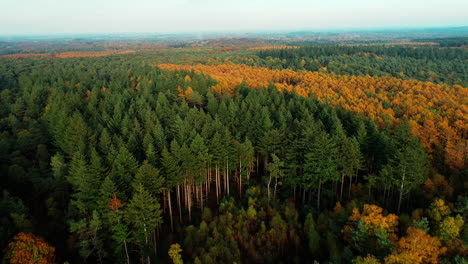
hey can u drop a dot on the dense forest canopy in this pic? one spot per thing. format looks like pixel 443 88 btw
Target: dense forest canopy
pixel 224 151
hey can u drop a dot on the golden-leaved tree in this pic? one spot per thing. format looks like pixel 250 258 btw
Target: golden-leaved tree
pixel 416 247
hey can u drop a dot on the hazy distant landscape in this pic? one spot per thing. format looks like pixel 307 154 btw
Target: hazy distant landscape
pixel 11 44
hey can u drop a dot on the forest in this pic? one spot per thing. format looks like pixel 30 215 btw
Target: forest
pixel 235 151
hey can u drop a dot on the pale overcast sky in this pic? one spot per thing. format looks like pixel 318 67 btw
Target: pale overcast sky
pixel 118 16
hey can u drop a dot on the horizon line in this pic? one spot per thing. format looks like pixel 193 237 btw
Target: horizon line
pixel 239 31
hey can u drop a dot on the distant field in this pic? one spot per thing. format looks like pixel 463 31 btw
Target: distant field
pixel 71 54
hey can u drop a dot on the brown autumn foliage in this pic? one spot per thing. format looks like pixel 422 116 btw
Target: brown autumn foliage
pixel 26 55
pixel 274 47
pixel 438 112
pixel 75 54
pixel 27 248
pixel 115 203
pixel 418 43
pixel 71 54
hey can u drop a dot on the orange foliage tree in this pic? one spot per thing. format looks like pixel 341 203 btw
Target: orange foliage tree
pixel 438 112
pixel 27 248
pixel 416 247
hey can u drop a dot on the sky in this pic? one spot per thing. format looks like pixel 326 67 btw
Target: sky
pixel 156 16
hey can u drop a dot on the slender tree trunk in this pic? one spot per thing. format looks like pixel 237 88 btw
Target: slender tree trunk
pixel 251 165
pixel 216 183
pixel 258 170
pixel 369 194
pixel 207 191
pixel 197 195
pixel 342 185
pixel 268 187
pixel 189 204
pixel 276 184
pixel 227 176
pixel 401 192
pixel 146 239
pixel 178 202
pixel 219 182
pixel 318 194
pixel 169 204
pixel 240 178
pixel 218 174
pixel 126 252
pixel 201 197
pixel 209 179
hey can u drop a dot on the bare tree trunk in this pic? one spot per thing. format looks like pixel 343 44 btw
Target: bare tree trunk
pixel 126 252
pixel 369 194
pixel 251 166
pixel 401 192
pixel 178 202
pixel 318 194
pixel 209 179
pixel 189 202
pixel 240 178
pixel 146 238
pixel 218 175
pixel 227 176
pixel 276 184
pixel 342 185
pixel 170 209
pixel 349 189
pixel 201 198
pixel 224 180
pixel 258 171
pixel 197 194
pixel 268 187
pixel 216 184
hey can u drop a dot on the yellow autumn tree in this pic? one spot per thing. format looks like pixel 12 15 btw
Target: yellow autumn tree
pixel 438 210
pixel 369 259
pixel 174 253
pixel 374 220
pixel 416 247
pixel 450 227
